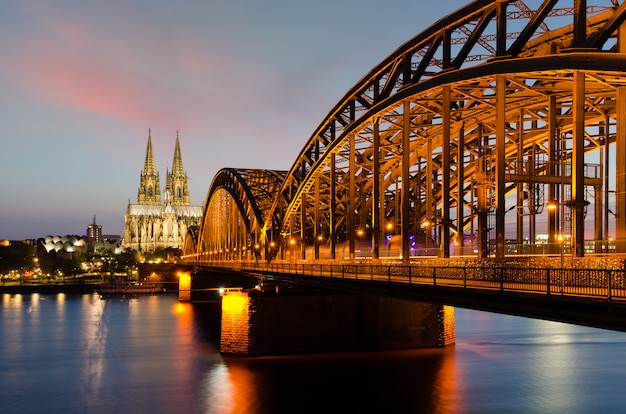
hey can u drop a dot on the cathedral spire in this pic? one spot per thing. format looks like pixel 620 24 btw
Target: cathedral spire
pixel 177 182
pixel 177 164
pixel 149 185
pixel 149 167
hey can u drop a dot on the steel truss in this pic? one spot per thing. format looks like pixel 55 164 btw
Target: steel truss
pixel 459 143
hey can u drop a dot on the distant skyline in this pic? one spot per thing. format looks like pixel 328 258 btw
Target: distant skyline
pixel 244 83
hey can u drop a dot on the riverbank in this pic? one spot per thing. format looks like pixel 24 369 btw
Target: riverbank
pixel 49 288
pixel 79 288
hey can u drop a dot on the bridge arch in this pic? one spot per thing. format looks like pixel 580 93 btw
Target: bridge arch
pixel 468 118
pixel 501 112
pixel 235 210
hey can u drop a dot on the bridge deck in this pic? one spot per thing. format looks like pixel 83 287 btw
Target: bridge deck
pixel 587 296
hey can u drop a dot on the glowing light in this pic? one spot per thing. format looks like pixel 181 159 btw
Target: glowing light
pixel 184 285
pixel 360 232
pixel 180 308
pixel 235 304
pixel 235 322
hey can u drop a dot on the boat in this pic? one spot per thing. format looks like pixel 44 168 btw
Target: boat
pixel 125 286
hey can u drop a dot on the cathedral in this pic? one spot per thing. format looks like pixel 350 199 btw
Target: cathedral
pixel 156 222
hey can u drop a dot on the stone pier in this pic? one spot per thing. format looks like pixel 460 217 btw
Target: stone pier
pixel 255 323
pixel 205 285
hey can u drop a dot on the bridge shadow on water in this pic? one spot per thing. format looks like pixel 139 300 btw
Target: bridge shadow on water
pixel 418 381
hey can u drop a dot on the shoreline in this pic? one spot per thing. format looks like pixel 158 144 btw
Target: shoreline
pixel 70 288
pixel 50 288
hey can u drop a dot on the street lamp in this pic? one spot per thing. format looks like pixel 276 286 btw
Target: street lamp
pixel 427 224
pixel 552 205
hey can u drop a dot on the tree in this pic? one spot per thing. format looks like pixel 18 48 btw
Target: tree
pixel 16 256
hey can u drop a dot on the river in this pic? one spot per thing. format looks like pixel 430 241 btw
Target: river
pixel 152 354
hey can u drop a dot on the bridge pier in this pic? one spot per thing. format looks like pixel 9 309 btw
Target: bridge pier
pixel 205 285
pixel 256 323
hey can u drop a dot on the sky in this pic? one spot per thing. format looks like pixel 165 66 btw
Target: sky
pixel 244 82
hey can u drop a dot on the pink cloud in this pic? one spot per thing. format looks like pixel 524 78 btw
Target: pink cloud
pixel 67 80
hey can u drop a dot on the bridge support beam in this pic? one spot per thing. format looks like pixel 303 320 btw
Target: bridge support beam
pixel 352 190
pixel 270 324
pixel 377 198
pixel 333 208
pixel 406 162
pixel 620 166
pixel 578 152
pixel 446 176
pixel 553 131
pixel 500 160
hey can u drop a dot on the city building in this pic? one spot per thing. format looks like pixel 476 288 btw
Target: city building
pixel 94 231
pixel 156 222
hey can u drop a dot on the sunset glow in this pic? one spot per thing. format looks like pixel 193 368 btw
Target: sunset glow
pixel 245 84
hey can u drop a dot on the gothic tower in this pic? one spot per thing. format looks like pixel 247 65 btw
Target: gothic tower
pixel 151 224
pixel 176 181
pixel 149 184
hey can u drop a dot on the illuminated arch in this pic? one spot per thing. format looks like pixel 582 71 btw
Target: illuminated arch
pixel 499 101
pixel 235 210
pixel 459 113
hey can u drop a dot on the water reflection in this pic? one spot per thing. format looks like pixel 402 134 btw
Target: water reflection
pixel 61 354
pixel 412 381
pixel 94 329
pixel 220 394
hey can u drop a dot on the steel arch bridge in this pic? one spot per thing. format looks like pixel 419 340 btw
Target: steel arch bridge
pixel 500 127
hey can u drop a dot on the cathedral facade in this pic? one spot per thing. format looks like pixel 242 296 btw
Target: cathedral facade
pixel 156 222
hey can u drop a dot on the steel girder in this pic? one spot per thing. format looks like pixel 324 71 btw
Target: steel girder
pixel 499 107
pixel 513 61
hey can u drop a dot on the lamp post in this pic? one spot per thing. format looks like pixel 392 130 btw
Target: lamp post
pixel 388 237
pixel 427 225
pixel 292 244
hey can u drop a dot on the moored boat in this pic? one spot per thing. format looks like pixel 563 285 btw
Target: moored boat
pixel 124 286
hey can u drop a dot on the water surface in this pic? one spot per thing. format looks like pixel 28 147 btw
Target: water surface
pixel 153 354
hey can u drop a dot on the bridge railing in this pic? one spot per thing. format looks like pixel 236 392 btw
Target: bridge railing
pixel 599 284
